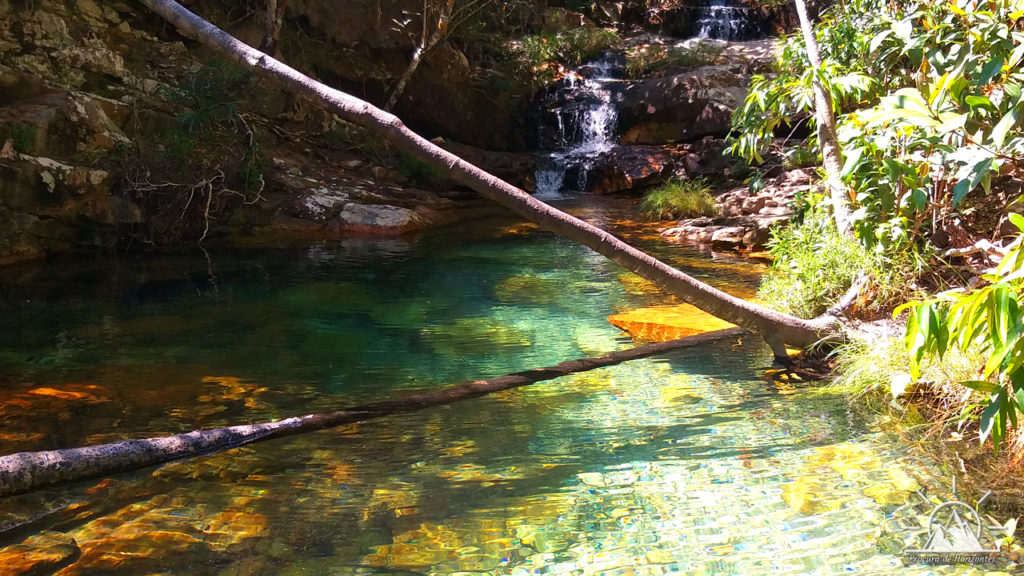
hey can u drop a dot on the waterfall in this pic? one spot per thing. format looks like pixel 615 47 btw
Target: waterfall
pixel 727 20
pixel 577 126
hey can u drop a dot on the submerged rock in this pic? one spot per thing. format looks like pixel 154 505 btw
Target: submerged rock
pixel 39 554
pixel 664 323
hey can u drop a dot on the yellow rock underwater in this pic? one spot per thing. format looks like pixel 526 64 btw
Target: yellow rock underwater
pixel 664 323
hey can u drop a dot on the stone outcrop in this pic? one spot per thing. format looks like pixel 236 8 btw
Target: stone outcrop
pixel 681 108
pixel 100 105
pixel 634 167
pixel 747 219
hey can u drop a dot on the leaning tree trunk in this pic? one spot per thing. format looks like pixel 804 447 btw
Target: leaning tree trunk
pixel 26 471
pixel 403 80
pixel 273 21
pixel 828 138
pixel 776 328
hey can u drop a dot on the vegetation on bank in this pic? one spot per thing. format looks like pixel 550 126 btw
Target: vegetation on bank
pixel 652 59
pixel 544 57
pixel 929 101
pixel 679 199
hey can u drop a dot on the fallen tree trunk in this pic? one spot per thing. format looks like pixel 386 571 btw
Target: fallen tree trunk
pixel 26 471
pixel 776 328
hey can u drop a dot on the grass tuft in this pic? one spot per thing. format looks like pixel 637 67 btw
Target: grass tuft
pixel 679 199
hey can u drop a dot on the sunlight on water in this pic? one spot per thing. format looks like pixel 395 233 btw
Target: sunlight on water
pixel 690 463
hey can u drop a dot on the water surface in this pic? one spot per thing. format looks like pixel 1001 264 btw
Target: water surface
pixel 690 463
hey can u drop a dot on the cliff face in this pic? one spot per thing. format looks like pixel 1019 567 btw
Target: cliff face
pixel 70 76
pixel 114 129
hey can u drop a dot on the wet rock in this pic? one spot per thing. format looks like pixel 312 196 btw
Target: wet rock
pixel 681 108
pixel 37 555
pixel 631 167
pixel 378 219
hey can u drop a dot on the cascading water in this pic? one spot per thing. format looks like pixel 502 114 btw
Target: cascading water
pixel 578 125
pixel 727 20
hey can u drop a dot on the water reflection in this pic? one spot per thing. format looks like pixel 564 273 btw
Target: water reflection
pixel 690 463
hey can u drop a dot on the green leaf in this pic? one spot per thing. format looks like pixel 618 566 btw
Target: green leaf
pixel 1017 220
pixel 981 386
pixel 980 102
pixel 877 40
pixel 989 420
pixel 853 158
pixel 1004 125
pixel 989 71
pixel 951 124
pixel 1013 90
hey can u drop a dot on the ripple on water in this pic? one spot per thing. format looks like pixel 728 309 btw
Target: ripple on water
pixel 686 464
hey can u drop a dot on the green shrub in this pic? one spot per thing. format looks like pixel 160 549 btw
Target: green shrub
pixel 815 265
pixel 873 370
pixel 679 199
pixel 801 158
pixel 990 318
pixel 543 56
pixel 647 60
pixel 22 136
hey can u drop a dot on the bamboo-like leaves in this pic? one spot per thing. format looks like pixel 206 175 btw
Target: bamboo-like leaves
pixel 990 317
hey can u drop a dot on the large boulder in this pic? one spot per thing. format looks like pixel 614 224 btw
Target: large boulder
pixel 633 167
pixel 681 108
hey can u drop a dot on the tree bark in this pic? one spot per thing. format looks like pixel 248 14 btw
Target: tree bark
pixel 403 80
pixel 274 19
pixel 429 38
pixel 26 471
pixel 776 328
pixel 828 138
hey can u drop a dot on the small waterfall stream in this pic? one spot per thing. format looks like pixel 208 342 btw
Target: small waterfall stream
pixel 577 125
pixel 727 20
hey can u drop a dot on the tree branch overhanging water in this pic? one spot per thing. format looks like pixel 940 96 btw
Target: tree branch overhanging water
pixel 776 328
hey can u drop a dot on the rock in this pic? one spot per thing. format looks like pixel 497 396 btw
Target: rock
pixel 43 553
pixel 516 168
pixel 558 19
pixel 664 323
pixel 378 219
pixel 607 13
pixel 318 204
pixel 729 237
pixel 681 108
pixel 631 167
pixel 752 205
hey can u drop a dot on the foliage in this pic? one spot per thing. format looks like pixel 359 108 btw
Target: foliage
pixel 914 157
pixel 679 199
pixel 941 90
pixel 653 58
pixel 874 367
pixel 345 136
pixel 814 265
pixel 22 137
pixel 800 158
pixel 203 163
pixel 546 55
pixel 991 318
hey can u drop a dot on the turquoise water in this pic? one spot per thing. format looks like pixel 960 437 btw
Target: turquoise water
pixel 690 463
